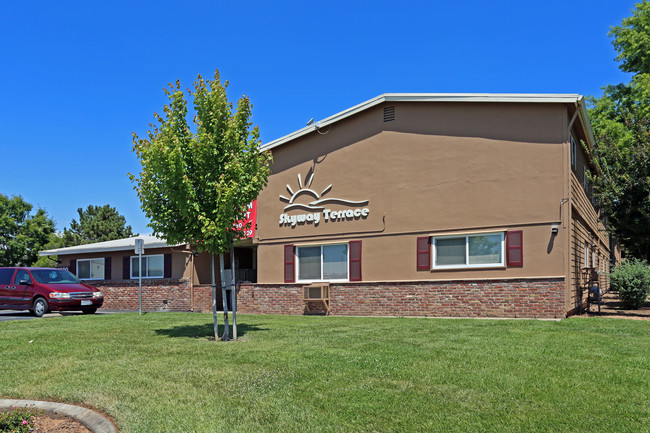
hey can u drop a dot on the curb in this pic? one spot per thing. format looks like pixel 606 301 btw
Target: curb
pixel 89 418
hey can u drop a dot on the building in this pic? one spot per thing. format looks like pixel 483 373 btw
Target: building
pixel 420 205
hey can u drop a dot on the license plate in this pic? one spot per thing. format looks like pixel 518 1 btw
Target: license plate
pixel 86 302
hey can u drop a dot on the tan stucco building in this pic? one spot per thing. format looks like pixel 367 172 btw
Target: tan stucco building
pixel 421 205
pixel 434 205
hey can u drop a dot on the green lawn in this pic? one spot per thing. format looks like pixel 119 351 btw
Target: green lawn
pixel 161 373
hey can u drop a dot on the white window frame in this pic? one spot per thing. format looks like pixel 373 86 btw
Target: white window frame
pixel 89 260
pixel 347 266
pixel 434 252
pixel 144 258
pixel 574 151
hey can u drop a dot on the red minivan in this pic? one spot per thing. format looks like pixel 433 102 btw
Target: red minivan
pixel 41 290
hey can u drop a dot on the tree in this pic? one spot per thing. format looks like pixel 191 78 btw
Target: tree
pixel 194 186
pixel 96 224
pixel 621 124
pixel 55 240
pixel 22 235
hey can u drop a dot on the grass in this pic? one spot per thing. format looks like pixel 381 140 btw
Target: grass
pixel 162 373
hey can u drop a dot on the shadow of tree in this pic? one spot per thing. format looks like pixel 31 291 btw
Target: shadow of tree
pixel 206 330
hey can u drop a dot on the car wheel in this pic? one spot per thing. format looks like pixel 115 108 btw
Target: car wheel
pixel 89 310
pixel 40 307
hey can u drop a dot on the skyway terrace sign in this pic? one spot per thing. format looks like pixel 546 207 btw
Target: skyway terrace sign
pixel 308 199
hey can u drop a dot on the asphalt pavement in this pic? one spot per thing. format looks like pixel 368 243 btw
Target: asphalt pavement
pixel 6 315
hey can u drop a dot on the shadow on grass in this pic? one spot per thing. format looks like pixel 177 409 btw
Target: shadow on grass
pixel 206 330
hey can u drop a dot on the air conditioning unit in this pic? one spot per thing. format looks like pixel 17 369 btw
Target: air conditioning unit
pixel 317 292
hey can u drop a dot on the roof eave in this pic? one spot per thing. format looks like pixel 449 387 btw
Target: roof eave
pixel 427 97
pixel 74 250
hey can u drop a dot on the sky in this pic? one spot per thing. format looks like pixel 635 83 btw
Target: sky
pixel 79 77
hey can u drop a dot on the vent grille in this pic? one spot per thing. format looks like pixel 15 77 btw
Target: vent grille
pixel 389 114
pixel 81 295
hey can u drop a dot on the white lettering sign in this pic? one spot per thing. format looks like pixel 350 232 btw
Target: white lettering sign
pixel 314 203
pixel 328 216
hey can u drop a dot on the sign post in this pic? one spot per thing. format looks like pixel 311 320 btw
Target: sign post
pixel 139 249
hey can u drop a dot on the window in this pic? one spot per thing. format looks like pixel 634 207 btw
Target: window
pixel 323 262
pixel 152 266
pixel 22 275
pixel 574 151
pixel 5 276
pixel 469 251
pixel 90 269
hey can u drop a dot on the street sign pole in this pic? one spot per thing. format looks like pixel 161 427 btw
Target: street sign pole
pixel 138 250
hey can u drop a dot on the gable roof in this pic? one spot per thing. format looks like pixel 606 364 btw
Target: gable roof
pixel 116 245
pixel 557 98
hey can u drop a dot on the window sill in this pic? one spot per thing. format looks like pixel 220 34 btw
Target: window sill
pixel 321 281
pixel 466 267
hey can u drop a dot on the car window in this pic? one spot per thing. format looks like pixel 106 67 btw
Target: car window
pixel 5 276
pixel 54 276
pixel 22 275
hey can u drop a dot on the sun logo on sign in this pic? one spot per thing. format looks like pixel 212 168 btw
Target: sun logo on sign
pixel 305 190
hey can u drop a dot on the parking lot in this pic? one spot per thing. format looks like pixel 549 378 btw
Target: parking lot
pixel 6 315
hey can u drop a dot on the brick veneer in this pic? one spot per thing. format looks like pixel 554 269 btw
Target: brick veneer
pixel 527 298
pixel 123 295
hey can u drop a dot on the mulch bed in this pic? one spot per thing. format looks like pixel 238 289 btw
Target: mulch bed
pixel 611 307
pixel 47 424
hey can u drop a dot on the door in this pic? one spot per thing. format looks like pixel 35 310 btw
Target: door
pixel 21 292
pixel 6 277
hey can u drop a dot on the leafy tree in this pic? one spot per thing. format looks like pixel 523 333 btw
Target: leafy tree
pixel 22 234
pixel 55 241
pixel 632 40
pixel 96 224
pixel 621 123
pixel 194 186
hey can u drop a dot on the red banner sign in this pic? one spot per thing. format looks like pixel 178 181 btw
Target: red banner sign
pixel 250 220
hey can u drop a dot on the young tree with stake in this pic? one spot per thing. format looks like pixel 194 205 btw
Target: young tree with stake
pixel 194 185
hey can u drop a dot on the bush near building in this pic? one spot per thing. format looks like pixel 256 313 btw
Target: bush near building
pixel 631 279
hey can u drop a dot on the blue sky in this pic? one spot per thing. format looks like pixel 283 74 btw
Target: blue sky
pixel 79 76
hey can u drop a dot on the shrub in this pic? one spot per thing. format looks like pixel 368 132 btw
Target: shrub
pixel 17 420
pixel 631 279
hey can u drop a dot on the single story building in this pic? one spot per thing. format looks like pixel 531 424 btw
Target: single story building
pixel 438 205
pixel 174 277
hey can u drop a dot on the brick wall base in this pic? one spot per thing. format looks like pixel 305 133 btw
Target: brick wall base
pixel 525 298
pixel 157 295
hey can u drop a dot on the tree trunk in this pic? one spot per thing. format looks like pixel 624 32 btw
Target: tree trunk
pixel 233 293
pixel 214 299
pixel 226 332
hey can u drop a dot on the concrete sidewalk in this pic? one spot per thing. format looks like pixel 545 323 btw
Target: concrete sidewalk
pixel 89 418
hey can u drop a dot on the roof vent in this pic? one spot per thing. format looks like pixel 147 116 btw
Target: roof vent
pixel 389 114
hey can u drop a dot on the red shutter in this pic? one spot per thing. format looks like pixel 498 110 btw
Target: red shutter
pixel 73 266
pixel 126 268
pixel 167 272
pixel 355 260
pixel 423 254
pixel 107 268
pixel 289 264
pixel 515 248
